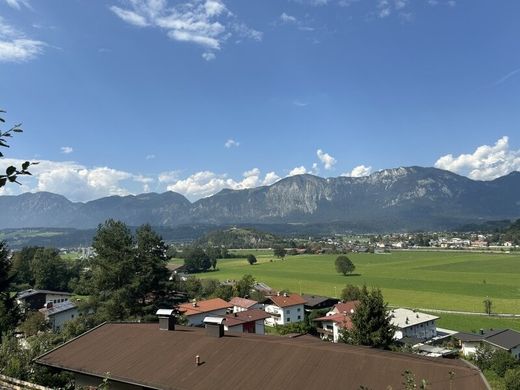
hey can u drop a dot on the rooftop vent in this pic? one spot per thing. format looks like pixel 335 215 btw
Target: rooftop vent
pixel 285 294
pixel 214 326
pixel 166 319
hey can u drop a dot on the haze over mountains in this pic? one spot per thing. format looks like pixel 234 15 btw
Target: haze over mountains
pixel 397 199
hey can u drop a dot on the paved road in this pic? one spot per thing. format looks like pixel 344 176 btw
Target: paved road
pixel 469 313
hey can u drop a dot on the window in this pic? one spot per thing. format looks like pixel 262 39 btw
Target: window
pixel 299 317
pixel 299 309
pixel 287 312
pixel 288 320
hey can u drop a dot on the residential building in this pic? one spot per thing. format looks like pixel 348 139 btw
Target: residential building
pixel 504 339
pixel 58 314
pixel 317 302
pixel 413 324
pixel 196 311
pixel 34 299
pixel 284 309
pixel 336 320
pixel 243 304
pixel 141 356
pixel 249 321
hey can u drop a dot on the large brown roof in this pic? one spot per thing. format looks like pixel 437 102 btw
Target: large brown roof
pixel 286 300
pixel 142 354
pixel 206 306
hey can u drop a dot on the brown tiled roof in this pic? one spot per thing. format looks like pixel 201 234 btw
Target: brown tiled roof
pixel 206 306
pixel 343 320
pixel 286 301
pixel 142 354
pixel 346 307
pixel 245 316
pixel 242 302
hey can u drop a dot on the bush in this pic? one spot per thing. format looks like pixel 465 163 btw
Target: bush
pixel 502 361
pixel 512 379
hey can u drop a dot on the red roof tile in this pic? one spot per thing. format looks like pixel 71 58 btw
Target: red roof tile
pixel 343 320
pixel 242 302
pixel 346 307
pixel 209 305
pixel 286 301
pixel 243 317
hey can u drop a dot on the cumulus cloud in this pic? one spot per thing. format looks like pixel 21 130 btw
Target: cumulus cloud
pixel 66 149
pixel 301 170
pixel 78 182
pixel 150 156
pixel 206 183
pixel 231 143
pixel 359 171
pixel 15 46
pixel 18 4
pixel 485 163
pixel 326 159
pixel 168 177
pixel 207 23
pixel 285 18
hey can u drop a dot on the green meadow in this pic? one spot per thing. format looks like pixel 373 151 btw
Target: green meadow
pixel 435 280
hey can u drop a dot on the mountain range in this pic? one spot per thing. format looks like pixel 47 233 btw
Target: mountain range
pixel 399 199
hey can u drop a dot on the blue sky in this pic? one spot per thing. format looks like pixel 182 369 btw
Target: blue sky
pixel 126 96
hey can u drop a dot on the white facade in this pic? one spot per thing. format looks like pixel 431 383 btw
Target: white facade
pixel 198 319
pixel 57 320
pixel 410 323
pixel 237 309
pixel 330 331
pixel 284 316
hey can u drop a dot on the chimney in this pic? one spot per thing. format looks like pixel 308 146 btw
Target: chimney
pixel 481 331
pixel 285 294
pixel 214 326
pixel 166 319
pixel 197 360
pixel 194 303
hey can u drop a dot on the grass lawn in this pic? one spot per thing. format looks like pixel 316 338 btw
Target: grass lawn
pixel 438 280
pixel 472 323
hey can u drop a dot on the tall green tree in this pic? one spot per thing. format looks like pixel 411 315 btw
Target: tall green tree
pixel 22 265
pixel 350 293
pixel 344 265
pixel 197 260
pixel 279 251
pixel 113 270
pixel 9 313
pixel 243 286
pixel 151 272
pixel 49 270
pixel 371 322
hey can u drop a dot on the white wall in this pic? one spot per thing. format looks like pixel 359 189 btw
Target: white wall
pixel 198 319
pixel 57 320
pixel 287 315
pixel 426 330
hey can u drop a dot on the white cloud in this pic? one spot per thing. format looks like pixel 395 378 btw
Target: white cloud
pixel 231 143
pixel 130 16
pixel 485 163
pixel 66 149
pixel 209 56
pixel 18 4
pixel 76 181
pixel 207 23
pixel 299 103
pixel 168 177
pixel 285 18
pixel 298 171
pixel 150 156
pixel 326 159
pixel 359 171
pixel 506 77
pixel 15 46
pixel 206 183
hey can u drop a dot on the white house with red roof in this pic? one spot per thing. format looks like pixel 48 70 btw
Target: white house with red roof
pixel 196 311
pixel 243 304
pixel 284 309
pixel 336 320
pixel 249 321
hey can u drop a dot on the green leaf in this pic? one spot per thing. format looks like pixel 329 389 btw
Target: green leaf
pixel 2 182
pixel 12 178
pixel 10 170
pixel 1 154
pixel 3 144
pixel 25 165
pixel 17 130
pixel 2 120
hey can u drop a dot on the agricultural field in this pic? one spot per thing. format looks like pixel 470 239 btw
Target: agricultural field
pixel 434 280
